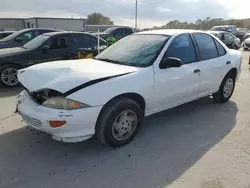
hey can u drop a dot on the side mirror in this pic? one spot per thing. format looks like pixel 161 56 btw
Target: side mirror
pixel 45 48
pixel 170 62
pixel 19 39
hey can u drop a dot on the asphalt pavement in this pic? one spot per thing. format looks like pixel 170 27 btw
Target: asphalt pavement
pixel 197 145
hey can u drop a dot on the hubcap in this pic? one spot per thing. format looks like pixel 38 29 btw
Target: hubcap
pixel 9 77
pixel 124 125
pixel 228 88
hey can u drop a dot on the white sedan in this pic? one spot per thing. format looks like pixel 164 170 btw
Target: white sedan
pixel 246 42
pixel 140 75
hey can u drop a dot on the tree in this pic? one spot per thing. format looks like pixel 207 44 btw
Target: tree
pixel 98 19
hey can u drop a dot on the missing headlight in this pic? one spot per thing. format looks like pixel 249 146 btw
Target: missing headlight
pixel 41 96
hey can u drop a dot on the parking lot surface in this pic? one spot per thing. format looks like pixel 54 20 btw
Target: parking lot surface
pixel 197 145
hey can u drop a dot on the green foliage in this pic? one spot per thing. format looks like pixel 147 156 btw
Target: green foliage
pixel 200 24
pixel 98 19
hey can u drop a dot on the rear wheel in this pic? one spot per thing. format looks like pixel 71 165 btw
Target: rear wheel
pixel 226 89
pixel 119 122
pixel 8 75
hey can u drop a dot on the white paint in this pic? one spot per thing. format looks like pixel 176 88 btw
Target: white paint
pixel 161 88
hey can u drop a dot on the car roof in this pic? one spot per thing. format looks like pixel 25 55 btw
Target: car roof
pixel 7 31
pixel 34 29
pixel 170 31
pixel 224 26
pixel 68 32
pixel 65 32
pixel 217 32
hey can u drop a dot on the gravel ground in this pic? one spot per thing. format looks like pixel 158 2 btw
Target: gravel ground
pixel 197 145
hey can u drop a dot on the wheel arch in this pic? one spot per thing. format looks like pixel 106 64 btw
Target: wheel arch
pixel 233 71
pixel 134 96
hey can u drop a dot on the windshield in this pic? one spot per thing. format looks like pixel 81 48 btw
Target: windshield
pixel 135 50
pixel 14 35
pixel 36 42
pixel 109 30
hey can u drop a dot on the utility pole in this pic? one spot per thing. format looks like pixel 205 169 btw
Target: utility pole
pixel 136 6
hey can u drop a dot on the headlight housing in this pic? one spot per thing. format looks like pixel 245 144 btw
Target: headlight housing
pixel 63 103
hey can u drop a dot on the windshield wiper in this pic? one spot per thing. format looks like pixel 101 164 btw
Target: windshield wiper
pixel 109 60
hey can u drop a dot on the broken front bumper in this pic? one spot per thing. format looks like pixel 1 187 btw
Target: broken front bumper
pixel 80 123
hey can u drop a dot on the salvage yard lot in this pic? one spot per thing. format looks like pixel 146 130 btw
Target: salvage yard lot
pixel 200 144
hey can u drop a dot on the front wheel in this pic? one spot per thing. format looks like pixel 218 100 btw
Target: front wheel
pixel 119 122
pixel 226 89
pixel 8 75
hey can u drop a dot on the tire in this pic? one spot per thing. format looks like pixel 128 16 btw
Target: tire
pixel 8 75
pixel 113 112
pixel 224 94
pixel 245 49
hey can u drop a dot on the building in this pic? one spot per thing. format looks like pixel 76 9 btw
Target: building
pixel 70 24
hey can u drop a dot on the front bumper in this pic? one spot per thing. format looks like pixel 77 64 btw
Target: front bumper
pixel 246 45
pixel 80 123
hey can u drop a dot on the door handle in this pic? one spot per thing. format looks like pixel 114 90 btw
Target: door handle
pixel 197 70
pixel 228 63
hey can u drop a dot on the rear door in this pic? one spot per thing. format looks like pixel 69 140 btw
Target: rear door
pixel 85 44
pixel 214 63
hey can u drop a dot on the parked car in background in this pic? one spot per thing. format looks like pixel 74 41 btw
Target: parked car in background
pixel 228 39
pixel 241 33
pixel 246 36
pixel 20 38
pixel 4 34
pixel 47 47
pixel 116 32
pixel 229 28
pixel 246 43
pixel 111 94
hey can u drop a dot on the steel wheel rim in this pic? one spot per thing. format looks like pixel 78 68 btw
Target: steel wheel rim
pixel 9 77
pixel 124 125
pixel 228 88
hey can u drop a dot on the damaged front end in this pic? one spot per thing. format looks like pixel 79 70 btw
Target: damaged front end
pixel 54 99
pixel 41 96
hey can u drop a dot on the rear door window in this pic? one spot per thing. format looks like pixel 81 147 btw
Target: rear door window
pixel 206 46
pixel 128 31
pixel 86 41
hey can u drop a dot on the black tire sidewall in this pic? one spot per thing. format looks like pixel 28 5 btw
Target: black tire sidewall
pixel 113 114
pixel 4 67
pixel 221 92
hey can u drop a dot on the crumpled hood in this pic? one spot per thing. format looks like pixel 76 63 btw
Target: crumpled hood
pixel 11 51
pixel 63 76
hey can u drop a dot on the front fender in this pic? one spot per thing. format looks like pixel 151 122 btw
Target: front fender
pixel 141 82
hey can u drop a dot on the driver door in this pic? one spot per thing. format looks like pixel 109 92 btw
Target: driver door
pixel 55 48
pixel 177 85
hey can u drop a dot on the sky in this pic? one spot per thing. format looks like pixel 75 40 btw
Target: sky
pixel 122 12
